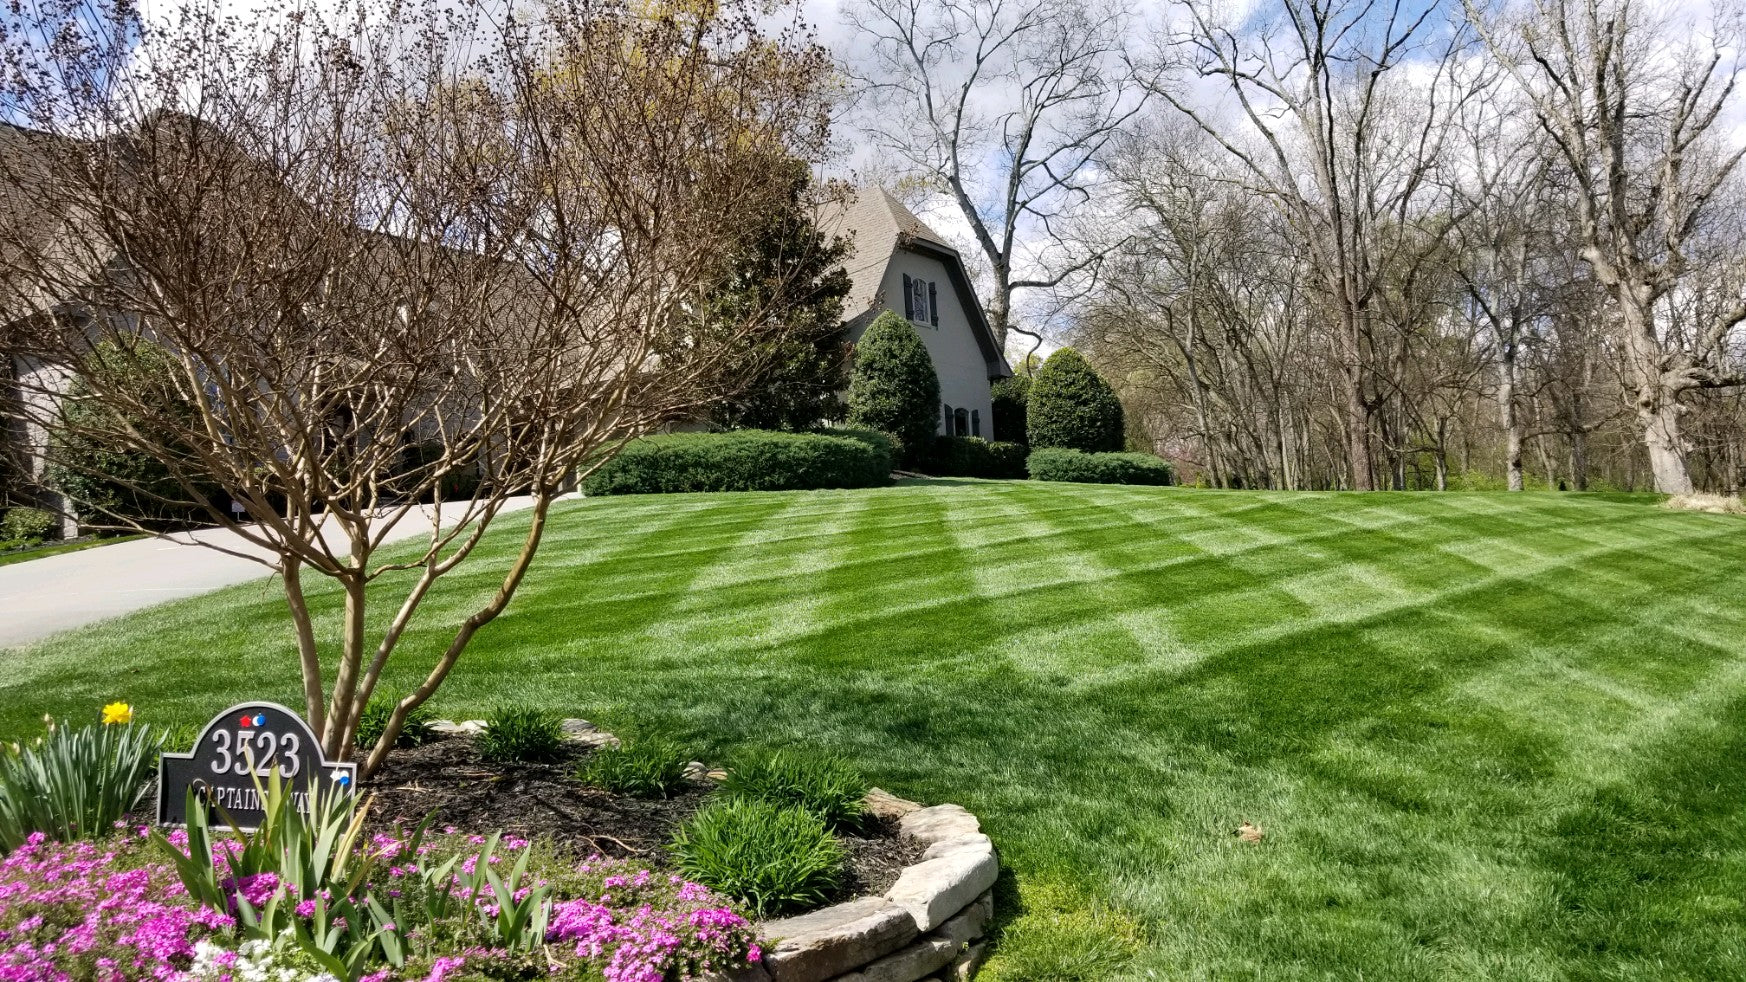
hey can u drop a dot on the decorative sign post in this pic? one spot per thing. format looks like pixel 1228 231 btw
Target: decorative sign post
pixel 236 756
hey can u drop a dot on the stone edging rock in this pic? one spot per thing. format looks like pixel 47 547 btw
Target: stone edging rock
pixel 928 927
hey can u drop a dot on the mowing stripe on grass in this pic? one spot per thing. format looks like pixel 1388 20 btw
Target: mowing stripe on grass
pixel 1486 736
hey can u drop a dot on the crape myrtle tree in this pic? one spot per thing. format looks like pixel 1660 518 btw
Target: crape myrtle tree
pixel 375 224
pixel 1071 406
pixel 893 388
pixel 791 273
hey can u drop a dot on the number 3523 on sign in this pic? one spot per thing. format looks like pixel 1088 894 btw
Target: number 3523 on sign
pixel 237 755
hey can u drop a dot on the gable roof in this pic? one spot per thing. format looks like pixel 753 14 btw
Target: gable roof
pixel 877 225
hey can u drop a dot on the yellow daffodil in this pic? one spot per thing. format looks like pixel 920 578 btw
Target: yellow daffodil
pixel 117 712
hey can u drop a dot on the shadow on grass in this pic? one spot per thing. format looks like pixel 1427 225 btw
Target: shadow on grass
pixel 1649 871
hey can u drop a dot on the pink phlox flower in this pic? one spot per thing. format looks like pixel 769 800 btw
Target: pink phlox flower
pixel 441 968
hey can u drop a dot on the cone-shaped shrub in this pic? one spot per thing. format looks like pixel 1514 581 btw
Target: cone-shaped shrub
pixel 893 388
pixel 1072 406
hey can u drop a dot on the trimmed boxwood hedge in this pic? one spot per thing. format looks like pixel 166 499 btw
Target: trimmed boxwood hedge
pixel 885 443
pixel 1057 464
pixel 969 456
pixel 743 460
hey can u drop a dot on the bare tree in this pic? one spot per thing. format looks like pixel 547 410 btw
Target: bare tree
pixel 1003 107
pixel 270 257
pixel 1196 315
pixel 1338 140
pixel 1634 110
pixel 1508 252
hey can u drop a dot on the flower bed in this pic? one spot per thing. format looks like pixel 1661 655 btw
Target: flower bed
pixel 545 801
pixel 332 887
pixel 117 910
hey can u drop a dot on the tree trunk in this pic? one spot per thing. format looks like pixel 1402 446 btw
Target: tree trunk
pixel 308 654
pixel 484 615
pixel 1657 401
pixel 341 714
pixel 1546 463
pixel 1358 436
pixel 999 310
pixel 1442 453
pixel 1507 415
pixel 1666 450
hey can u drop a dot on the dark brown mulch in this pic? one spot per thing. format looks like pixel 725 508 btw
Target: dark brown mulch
pixel 543 800
pixel 876 856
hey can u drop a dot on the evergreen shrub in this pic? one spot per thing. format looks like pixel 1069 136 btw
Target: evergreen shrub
pixel 970 456
pixel 893 387
pixel 1057 464
pixel 1071 406
pixel 744 460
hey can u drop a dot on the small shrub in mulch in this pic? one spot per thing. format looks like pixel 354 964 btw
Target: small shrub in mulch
pixel 775 859
pixel 829 787
pixel 450 780
pixel 650 768
pixel 373 722
pixel 520 734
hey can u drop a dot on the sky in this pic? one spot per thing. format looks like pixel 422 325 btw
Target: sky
pixel 834 28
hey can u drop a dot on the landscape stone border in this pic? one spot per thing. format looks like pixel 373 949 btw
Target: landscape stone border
pixel 929 927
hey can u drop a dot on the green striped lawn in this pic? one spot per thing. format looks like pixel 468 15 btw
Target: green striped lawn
pixel 1484 736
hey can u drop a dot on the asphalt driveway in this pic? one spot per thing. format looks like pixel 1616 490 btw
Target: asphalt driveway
pixel 56 593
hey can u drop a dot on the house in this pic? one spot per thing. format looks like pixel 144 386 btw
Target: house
pixel 337 360
pixel 897 263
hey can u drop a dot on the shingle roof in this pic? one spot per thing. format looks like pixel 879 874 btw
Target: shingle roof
pixel 30 220
pixel 877 225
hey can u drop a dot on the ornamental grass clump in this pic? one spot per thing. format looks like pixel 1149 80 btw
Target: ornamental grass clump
pixel 652 768
pixel 520 734
pixel 772 858
pixel 828 787
pixel 76 783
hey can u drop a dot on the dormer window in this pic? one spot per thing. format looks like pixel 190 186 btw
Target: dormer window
pixel 921 301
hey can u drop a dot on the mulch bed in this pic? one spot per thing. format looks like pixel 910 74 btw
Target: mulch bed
pixel 544 801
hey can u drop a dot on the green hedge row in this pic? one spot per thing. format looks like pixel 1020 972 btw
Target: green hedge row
pixel 743 460
pixel 969 456
pixel 884 443
pixel 1056 464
